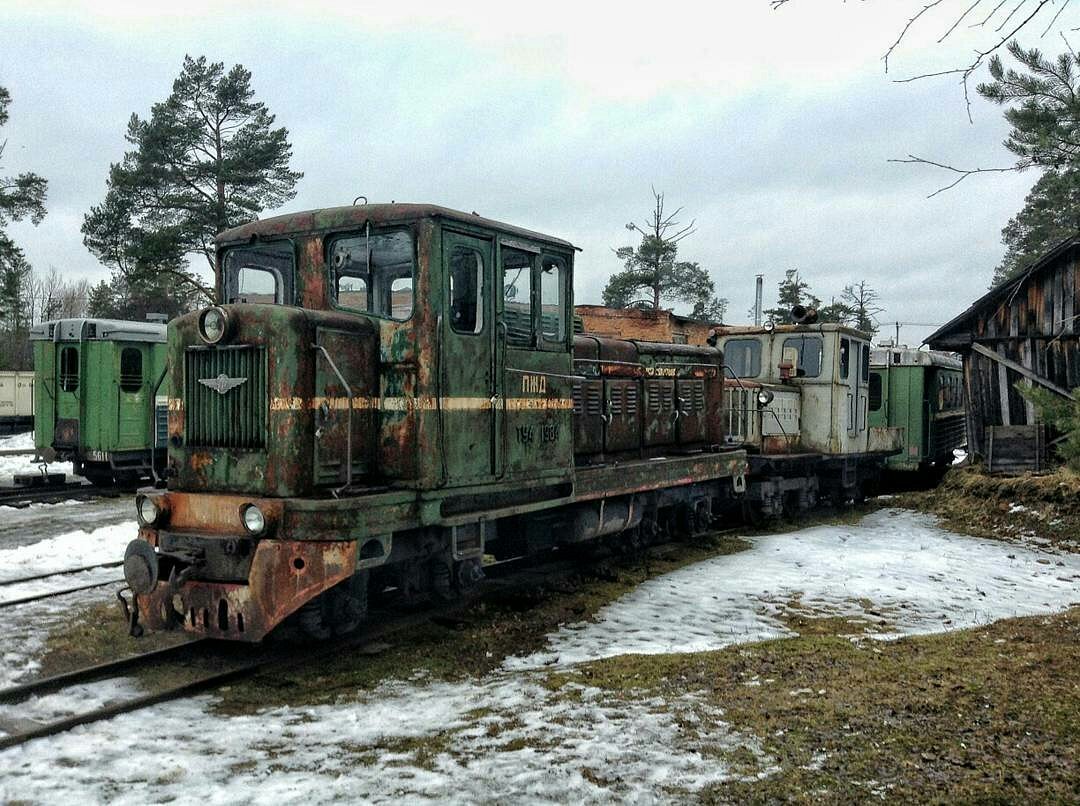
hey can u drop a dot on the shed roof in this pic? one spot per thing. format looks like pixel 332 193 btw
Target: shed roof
pixel 1002 292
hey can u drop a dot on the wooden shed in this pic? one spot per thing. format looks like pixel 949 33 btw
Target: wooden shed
pixel 1025 332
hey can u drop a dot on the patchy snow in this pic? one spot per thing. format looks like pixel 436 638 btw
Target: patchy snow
pixel 507 737
pixel 26 626
pixel 917 576
pixel 24 463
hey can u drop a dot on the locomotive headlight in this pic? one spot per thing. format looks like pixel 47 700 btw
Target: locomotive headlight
pixel 254 520
pixel 212 325
pixel 150 510
pixel 764 397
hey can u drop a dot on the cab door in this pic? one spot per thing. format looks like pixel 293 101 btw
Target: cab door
pixel 467 393
pixel 534 363
pixel 133 405
pixel 849 380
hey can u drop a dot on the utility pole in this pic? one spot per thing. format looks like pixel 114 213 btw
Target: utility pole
pixel 757 299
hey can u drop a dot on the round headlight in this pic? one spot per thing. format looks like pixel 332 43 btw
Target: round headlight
pixel 764 397
pixel 253 519
pixel 769 327
pixel 212 325
pixel 147 510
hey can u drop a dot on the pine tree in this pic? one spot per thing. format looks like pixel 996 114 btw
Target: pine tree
pixel 652 275
pixel 791 291
pixel 208 158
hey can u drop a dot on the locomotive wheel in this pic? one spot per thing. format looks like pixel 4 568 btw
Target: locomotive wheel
pixel 338 611
pixel 442 581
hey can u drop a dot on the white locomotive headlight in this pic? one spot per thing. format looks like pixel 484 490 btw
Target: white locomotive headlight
pixel 253 519
pixel 764 397
pixel 213 324
pixel 149 510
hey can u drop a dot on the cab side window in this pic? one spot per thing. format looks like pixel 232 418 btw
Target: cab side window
pixel 553 300
pixel 466 290
pixel 845 358
pixel 517 296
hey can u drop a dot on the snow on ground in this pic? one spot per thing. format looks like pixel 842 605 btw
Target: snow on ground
pixel 25 626
pixel 24 463
pixel 20 526
pixel 919 577
pixel 507 737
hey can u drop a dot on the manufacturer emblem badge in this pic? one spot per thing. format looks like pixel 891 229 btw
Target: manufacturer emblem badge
pixel 222 383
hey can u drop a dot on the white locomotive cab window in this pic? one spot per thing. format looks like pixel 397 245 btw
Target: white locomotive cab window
pixel 553 300
pixel 845 358
pixel 466 290
pixel 807 352
pixel 743 357
pixel 373 273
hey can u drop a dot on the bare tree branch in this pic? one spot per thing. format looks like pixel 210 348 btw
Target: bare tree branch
pixel 964 173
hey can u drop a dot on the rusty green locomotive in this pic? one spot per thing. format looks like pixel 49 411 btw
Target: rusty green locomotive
pixel 389 393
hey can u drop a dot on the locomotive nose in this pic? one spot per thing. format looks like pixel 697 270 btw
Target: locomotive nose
pixel 141 567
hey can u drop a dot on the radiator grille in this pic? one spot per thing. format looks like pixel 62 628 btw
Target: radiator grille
pixel 235 419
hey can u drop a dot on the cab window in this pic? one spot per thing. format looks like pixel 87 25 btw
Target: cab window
pixel 553 300
pixel 69 369
pixel 875 391
pixel 845 358
pixel 807 351
pixel 131 370
pixel 260 274
pixel 743 357
pixel 866 363
pixel 517 296
pixel 466 290
pixel 373 273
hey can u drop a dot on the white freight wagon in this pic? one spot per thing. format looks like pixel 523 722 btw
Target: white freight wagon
pixel 16 401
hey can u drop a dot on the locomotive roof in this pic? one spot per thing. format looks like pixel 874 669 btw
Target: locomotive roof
pixel 98 330
pixel 817 327
pixel 910 357
pixel 332 218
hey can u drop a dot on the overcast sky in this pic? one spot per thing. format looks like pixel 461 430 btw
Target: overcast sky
pixel 773 129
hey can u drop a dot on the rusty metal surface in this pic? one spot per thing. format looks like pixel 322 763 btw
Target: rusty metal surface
pixel 284 575
pixel 314 221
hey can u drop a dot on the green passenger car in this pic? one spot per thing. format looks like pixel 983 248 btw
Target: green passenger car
pixel 922 393
pixel 99 398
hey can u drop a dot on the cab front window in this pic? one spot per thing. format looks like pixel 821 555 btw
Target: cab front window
pixel 263 273
pixel 373 273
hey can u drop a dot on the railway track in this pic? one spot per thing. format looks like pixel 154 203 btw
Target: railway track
pixel 242 662
pixel 20 497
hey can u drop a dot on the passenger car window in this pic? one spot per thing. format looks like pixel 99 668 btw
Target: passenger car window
pixel 875 391
pixel 466 290
pixel 69 369
pixel 553 300
pixel 845 357
pixel 517 296
pixel 743 357
pixel 808 348
pixel 262 273
pixel 131 374
pixel 373 273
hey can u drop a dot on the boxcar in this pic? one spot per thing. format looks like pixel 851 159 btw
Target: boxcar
pixel 99 399
pixel 16 402
pixel 921 393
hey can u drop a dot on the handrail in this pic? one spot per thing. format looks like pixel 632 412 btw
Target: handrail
pixel 348 423
pixel 153 423
pixel 439 388
pixel 502 436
